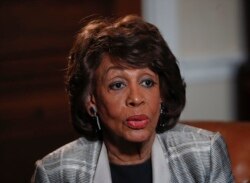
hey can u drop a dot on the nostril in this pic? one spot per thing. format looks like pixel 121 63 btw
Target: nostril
pixel 133 102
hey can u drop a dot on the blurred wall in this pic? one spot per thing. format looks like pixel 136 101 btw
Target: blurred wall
pixel 207 38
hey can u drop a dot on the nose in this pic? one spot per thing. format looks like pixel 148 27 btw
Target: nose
pixel 135 97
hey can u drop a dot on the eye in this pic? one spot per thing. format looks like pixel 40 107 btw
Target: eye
pixel 116 85
pixel 148 83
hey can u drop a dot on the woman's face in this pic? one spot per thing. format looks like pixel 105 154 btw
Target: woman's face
pixel 128 101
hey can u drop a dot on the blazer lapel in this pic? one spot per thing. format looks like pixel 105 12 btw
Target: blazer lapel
pixel 102 174
pixel 160 167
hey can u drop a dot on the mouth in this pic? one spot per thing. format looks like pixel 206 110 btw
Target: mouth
pixel 137 122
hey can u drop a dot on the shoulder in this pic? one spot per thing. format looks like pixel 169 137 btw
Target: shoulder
pixel 183 134
pixel 197 152
pixel 77 150
pixel 70 159
pixel 185 139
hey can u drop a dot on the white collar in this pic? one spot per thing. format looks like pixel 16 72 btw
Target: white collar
pixel 159 165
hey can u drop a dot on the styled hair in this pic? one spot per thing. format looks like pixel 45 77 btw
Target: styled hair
pixel 129 41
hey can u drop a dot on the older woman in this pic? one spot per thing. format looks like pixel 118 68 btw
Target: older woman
pixel 126 95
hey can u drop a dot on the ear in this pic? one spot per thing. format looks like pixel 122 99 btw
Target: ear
pixel 90 103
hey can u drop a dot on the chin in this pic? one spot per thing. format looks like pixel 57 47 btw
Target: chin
pixel 139 136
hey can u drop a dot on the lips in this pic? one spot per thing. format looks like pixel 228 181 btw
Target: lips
pixel 137 121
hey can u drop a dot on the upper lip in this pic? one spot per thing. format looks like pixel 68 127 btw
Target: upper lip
pixel 139 117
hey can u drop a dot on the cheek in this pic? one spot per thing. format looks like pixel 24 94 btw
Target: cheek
pixel 154 105
pixel 155 108
pixel 110 107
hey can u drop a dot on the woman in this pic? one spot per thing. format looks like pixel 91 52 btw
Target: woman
pixel 126 95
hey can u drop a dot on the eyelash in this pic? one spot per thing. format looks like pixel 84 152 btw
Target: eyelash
pixel 113 86
pixel 119 84
pixel 148 85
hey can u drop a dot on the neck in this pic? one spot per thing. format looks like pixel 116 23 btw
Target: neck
pixel 122 152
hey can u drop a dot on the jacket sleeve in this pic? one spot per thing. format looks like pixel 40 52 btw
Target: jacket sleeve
pixel 220 163
pixel 40 175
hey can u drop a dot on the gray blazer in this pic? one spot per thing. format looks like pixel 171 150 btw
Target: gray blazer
pixel 183 154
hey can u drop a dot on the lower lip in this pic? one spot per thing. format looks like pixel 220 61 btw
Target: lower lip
pixel 137 124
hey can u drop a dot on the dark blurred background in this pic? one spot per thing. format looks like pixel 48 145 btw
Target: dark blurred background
pixel 243 74
pixel 36 37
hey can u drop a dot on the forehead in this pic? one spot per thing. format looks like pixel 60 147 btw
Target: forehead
pixel 110 64
pixel 108 61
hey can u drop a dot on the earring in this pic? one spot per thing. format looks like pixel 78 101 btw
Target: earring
pixel 93 110
pixel 163 119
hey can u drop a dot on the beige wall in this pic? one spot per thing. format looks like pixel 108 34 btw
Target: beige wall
pixel 209 28
pixel 210 100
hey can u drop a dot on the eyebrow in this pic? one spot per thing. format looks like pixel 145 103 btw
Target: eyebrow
pixel 115 67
